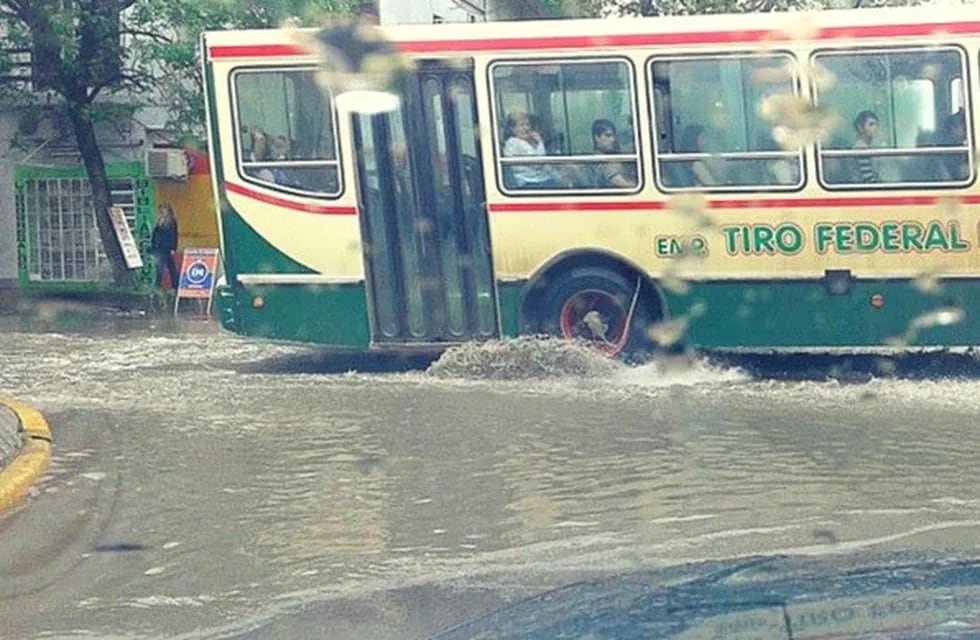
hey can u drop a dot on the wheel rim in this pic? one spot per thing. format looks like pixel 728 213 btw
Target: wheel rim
pixel 576 323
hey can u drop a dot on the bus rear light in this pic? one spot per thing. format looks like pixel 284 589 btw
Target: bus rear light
pixel 877 301
pixel 258 302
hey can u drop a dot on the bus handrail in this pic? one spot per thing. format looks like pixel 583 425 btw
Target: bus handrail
pixel 737 155
pixel 901 151
pixel 665 157
pixel 290 163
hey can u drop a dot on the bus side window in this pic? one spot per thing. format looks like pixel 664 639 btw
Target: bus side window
pixel 289 140
pixel 922 132
pixel 581 113
pixel 716 119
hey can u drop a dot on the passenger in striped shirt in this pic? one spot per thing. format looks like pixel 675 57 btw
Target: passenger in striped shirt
pixel 866 124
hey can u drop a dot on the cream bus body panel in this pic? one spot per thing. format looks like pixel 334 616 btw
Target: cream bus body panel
pixel 892 242
pixel 326 243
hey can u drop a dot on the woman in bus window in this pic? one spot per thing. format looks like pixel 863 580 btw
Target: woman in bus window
pixel 521 139
pixel 863 169
pixel 258 147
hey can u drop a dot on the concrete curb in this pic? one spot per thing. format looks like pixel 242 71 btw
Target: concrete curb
pixel 33 460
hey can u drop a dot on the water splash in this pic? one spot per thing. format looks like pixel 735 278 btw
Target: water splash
pixel 685 370
pixel 526 357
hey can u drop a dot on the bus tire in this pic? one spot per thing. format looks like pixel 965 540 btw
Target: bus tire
pixel 585 303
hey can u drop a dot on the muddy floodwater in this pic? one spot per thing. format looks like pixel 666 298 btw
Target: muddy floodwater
pixel 209 486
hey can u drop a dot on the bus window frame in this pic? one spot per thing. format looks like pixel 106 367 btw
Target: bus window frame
pixel 239 150
pixel 497 122
pixel 819 150
pixel 799 154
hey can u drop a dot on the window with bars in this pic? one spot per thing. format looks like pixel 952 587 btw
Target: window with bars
pixel 60 239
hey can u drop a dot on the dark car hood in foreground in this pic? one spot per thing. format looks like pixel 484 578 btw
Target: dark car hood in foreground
pixel 896 596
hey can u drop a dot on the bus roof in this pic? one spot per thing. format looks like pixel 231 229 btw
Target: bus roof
pixel 455 38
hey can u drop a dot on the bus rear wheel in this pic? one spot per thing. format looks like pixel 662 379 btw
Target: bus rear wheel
pixel 601 308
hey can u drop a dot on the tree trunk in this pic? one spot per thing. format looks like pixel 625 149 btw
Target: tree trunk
pixel 95 167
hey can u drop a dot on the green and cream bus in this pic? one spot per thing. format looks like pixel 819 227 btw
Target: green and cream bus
pixel 752 182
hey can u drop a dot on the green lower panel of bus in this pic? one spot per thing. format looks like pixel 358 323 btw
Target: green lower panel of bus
pixel 334 315
pixel 721 315
pixel 804 314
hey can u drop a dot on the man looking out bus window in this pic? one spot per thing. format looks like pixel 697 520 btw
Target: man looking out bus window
pixel 609 174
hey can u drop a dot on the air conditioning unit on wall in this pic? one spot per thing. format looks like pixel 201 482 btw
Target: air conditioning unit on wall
pixel 166 163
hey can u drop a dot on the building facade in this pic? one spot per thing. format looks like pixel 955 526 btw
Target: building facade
pixel 48 237
pixel 433 11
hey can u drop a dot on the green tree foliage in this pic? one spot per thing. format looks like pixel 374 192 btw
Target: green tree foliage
pixel 546 9
pixel 699 7
pixel 177 26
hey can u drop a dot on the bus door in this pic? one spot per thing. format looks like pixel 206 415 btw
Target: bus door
pixel 422 213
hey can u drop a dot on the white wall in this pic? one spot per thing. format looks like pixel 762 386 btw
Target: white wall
pixel 422 11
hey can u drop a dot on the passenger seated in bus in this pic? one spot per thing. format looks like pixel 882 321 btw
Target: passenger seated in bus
pixel 552 141
pixel 521 139
pixel 281 148
pixel 700 174
pixel 257 150
pixel 266 148
pixel 863 168
pixel 609 174
pixel 278 150
pixel 258 147
pixel 955 166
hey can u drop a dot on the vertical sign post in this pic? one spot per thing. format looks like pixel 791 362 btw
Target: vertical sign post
pixel 198 273
pixel 124 234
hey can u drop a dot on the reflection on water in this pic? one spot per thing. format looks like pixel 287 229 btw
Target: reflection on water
pixel 293 486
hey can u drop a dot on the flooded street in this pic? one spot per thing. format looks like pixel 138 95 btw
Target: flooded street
pixel 208 486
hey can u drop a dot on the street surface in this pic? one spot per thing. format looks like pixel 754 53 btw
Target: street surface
pixel 207 486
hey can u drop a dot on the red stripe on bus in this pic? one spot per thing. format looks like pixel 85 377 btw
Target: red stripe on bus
pixel 783 203
pixel 624 40
pixel 289 204
pixel 817 203
pixel 684 38
pixel 257 51
pixel 518 207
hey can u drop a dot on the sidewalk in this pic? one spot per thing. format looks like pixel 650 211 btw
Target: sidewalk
pixel 94 314
pixel 25 450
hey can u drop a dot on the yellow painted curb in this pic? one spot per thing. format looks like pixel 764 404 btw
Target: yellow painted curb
pixel 32 461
